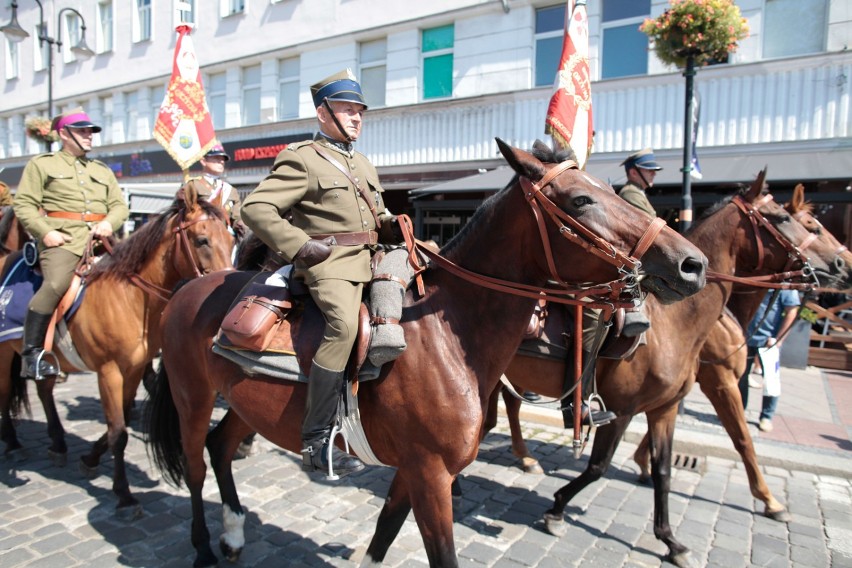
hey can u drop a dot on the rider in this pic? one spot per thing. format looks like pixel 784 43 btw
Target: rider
pixel 335 206
pixel 218 191
pixel 641 168
pixel 62 199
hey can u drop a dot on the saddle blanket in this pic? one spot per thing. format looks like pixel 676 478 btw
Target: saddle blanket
pixel 17 290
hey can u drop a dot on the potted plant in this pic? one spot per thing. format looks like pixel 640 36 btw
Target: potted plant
pixel 38 128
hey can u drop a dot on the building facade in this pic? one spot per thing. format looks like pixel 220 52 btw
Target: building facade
pixel 443 78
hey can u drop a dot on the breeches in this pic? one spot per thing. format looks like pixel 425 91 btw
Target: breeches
pixel 339 302
pixel 57 266
pixel 591 319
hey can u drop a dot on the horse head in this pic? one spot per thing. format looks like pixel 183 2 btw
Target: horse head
pixel 841 269
pixel 581 210
pixel 203 243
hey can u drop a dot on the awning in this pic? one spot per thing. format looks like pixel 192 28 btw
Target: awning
pixel 148 198
pixel 491 180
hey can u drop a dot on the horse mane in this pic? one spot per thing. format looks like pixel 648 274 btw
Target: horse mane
pixel 6 223
pixel 130 255
pixel 254 254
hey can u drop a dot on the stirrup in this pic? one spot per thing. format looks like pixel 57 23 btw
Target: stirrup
pixel 37 376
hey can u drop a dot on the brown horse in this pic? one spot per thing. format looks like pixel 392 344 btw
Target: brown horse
pixel 658 375
pixel 116 329
pixel 723 361
pixel 424 414
pixel 12 232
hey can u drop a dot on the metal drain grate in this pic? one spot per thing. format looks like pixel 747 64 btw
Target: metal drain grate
pixel 690 463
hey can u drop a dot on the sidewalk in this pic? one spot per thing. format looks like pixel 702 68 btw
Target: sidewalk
pixel 812 426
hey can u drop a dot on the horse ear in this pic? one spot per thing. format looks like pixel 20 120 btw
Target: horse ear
pixel 188 194
pixel 797 202
pixel 757 186
pixel 524 163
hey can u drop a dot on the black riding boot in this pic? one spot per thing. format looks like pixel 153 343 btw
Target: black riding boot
pixel 35 328
pixel 324 388
pixel 589 416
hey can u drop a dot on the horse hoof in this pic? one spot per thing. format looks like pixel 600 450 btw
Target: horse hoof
pixel 644 478
pixel 681 560
pixel 204 559
pixel 88 472
pixel 531 465
pixel 230 553
pixel 782 515
pixel 243 451
pixel 129 512
pixel 554 524
pixel 59 459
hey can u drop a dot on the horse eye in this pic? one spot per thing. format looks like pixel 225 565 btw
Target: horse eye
pixel 202 241
pixel 582 201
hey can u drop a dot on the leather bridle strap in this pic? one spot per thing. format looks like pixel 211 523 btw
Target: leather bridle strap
pixel 814 236
pixel 752 213
pixel 648 237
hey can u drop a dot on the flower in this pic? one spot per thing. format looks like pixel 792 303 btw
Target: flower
pixel 707 30
pixel 38 128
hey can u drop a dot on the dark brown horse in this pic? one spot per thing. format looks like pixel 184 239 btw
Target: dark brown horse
pixel 116 329
pixel 424 414
pixel 723 361
pixel 658 375
pixel 12 232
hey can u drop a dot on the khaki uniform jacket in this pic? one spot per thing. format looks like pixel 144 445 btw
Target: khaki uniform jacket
pixel 637 198
pixel 230 202
pixel 61 182
pixel 321 200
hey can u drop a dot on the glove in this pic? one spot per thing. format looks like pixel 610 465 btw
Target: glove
pixel 390 232
pixel 313 252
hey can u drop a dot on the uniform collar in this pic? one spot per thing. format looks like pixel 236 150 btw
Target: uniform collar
pixel 346 148
pixel 71 158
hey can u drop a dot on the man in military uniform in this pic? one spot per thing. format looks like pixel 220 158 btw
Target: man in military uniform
pixel 63 197
pixel 216 190
pixel 335 209
pixel 641 168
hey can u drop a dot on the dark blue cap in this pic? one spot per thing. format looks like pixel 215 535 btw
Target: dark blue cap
pixel 644 159
pixel 341 86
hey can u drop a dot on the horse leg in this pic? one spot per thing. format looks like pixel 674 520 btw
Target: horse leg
pixel 606 442
pixel 661 426
pixel 519 445
pixel 723 392
pixel 13 400
pixel 642 457
pixel 222 443
pixel 393 515
pixel 58 450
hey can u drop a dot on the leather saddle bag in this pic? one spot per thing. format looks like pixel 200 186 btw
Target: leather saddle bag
pixel 256 314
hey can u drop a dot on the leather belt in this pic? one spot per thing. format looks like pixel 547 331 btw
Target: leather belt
pixel 351 239
pixel 86 217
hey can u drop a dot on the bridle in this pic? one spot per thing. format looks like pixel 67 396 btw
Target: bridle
pixel 183 247
pixel 795 253
pixel 618 293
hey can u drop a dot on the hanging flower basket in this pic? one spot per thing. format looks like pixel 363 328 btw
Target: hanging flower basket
pixel 38 128
pixel 707 30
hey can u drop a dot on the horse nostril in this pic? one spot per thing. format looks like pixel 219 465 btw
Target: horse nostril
pixel 692 265
pixel 839 264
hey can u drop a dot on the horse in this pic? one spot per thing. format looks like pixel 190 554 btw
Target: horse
pixel 423 415
pixel 722 363
pixel 658 375
pixel 116 328
pixel 12 232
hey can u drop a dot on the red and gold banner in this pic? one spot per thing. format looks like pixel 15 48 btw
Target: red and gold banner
pixel 184 126
pixel 569 115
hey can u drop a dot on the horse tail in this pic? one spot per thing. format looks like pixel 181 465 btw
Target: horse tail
pixel 163 427
pixel 19 400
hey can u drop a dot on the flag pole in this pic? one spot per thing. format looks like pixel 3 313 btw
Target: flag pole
pixel 686 194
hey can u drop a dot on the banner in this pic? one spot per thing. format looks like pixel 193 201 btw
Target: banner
pixel 184 126
pixel 695 171
pixel 569 114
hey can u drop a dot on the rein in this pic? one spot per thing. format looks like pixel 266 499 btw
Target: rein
pixel 615 290
pixel 181 245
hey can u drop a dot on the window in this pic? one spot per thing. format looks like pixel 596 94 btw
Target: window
pixel 103 39
pixel 231 7
pixel 549 33
pixel 72 33
pixel 41 51
pixel 157 96
pixel 12 59
pixel 142 21
pixel 437 46
pixel 804 20
pixel 373 71
pixel 131 116
pixel 624 48
pixel 288 88
pixel 251 95
pixel 216 99
pixel 184 12
pixel 107 113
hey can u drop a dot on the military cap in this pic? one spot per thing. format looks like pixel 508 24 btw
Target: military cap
pixel 217 150
pixel 644 159
pixel 74 118
pixel 342 86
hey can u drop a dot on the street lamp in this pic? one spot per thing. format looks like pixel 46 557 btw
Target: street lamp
pixel 15 33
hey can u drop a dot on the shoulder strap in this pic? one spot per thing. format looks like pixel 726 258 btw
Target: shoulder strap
pixel 322 152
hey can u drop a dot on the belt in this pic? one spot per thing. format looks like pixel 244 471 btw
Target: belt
pixel 351 239
pixel 86 217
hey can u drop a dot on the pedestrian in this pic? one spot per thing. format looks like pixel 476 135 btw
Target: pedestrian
pixel 218 191
pixel 641 168
pixel 774 318
pixel 334 200
pixel 63 198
